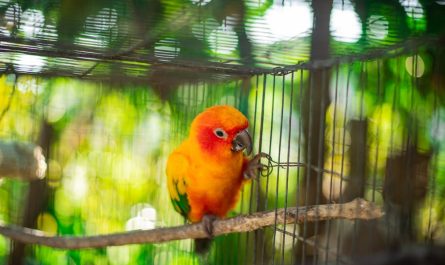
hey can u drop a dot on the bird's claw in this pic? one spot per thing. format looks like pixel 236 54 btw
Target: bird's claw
pixel 254 166
pixel 207 222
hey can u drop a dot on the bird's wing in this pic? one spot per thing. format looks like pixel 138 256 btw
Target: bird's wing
pixel 177 170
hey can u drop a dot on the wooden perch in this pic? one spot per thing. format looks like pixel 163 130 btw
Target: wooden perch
pixel 21 160
pixel 356 209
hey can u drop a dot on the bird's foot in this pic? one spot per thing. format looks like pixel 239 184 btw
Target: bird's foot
pixel 254 166
pixel 207 221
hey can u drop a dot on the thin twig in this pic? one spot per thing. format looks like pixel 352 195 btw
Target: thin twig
pixel 89 70
pixel 356 209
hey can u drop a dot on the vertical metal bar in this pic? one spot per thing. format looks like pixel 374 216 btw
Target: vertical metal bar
pixel 253 139
pixel 110 30
pixel 189 112
pixel 391 139
pixel 289 140
pixel 239 257
pixel 308 168
pixel 297 194
pixel 363 80
pixel 238 95
pixel 270 137
pixel 411 145
pixel 362 90
pixel 253 182
pixel 380 99
pixel 376 157
pixel 432 178
pixel 328 223
pixel 205 94
pixel 188 108
pixel 225 252
pixel 270 149
pixel 210 94
pixel 217 251
pixel 226 98
pixel 343 156
pixel 320 167
pixel 197 106
pixel 435 162
pixel 260 145
pixel 283 82
pixel 233 254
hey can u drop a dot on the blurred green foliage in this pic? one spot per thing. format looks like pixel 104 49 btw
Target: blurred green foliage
pixel 107 156
pixel 106 165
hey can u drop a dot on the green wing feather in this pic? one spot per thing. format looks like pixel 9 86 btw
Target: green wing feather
pixel 177 168
pixel 182 205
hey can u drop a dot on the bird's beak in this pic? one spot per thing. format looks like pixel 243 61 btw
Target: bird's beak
pixel 242 141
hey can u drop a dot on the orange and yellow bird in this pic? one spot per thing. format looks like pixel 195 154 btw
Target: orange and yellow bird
pixel 207 171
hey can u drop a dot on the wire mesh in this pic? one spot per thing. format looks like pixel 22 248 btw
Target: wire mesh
pixel 359 125
pixel 125 41
pixel 375 140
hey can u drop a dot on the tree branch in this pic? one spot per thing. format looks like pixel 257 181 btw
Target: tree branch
pixel 356 209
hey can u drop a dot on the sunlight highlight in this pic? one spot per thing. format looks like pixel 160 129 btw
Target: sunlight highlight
pixel 290 20
pixel 118 255
pixel 415 66
pixel 437 126
pixel 283 22
pixel 10 16
pixel 167 49
pixel 378 27
pixel 4 3
pixel 30 63
pixel 32 22
pixel 203 28
pixel 223 40
pixel 412 8
pixel 105 19
pixel 75 181
pixel 200 2
pixel 144 219
pixel 345 25
pixel 47 223
pixel 13 12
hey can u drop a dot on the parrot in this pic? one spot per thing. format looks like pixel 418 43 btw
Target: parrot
pixel 206 172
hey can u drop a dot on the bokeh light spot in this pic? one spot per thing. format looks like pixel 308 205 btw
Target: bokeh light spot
pixel 412 8
pixel 283 22
pixel 144 217
pixel 345 25
pixel 415 65
pixel 31 22
pixel 200 2
pixel 223 40
pixel 47 223
pixel 30 63
pixel 378 27
pixel 75 181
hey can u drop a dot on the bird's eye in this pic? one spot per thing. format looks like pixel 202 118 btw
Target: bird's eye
pixel 220 133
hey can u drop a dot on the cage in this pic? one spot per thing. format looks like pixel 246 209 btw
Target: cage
pixel 348 104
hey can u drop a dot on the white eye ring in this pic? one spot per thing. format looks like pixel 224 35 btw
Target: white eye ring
pixel 220 133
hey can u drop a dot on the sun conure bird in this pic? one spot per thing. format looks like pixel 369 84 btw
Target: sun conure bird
pixel 207 171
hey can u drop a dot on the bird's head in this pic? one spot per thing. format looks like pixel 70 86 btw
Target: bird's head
pixel 222 130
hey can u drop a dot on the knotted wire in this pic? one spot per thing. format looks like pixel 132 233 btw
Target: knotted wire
pixel 266 168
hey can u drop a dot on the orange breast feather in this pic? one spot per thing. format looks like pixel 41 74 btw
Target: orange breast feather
pixel 212 184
